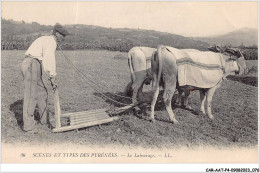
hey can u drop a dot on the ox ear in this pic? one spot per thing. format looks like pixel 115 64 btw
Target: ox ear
pixel 211 48
pixel 219 49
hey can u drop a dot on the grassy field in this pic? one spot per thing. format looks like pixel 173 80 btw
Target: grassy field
pixel 234 106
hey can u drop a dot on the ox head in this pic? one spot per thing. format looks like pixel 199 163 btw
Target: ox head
pixel 216 48
pixel 239 58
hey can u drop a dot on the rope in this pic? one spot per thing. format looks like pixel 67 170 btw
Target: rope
pixel 96 83
pixel 89 78
pixel 83 76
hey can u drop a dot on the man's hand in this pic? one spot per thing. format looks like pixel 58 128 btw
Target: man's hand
pixel 53 83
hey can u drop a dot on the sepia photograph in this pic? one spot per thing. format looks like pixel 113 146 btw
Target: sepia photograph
pixel 121 82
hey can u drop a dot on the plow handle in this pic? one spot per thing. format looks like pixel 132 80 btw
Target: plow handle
pixel 57 108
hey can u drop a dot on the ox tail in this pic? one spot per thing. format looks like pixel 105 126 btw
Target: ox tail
pixel 128 90
pixel 159 66
pixel 131 67
pixel 156 65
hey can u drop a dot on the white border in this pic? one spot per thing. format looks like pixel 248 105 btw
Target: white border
pixel 126 167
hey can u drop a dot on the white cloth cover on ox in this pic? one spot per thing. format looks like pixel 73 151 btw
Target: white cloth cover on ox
pixel 198 68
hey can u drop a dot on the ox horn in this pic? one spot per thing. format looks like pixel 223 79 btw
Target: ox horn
pixel 231 51
pixel 241 53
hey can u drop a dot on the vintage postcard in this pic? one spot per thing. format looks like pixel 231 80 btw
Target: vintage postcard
pixel 129 82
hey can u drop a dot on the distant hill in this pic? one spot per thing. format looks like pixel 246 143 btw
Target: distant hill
pixel 244 36
pixel 87 36
pixel 10 27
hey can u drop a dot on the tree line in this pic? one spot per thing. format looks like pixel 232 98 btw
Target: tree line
pixel 123 46
pixel 249 52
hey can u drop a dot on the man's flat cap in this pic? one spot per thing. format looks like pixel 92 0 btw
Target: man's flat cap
pixel 61 29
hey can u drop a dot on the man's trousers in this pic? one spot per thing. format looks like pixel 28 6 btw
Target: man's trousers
pixel 35 93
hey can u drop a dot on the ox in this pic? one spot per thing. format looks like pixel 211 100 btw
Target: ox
pixel 139 63
pixel 189 70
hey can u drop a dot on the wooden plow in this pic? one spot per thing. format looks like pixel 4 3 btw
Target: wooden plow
pixel 83 119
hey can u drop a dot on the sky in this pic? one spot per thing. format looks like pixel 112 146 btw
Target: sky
pixel 191 19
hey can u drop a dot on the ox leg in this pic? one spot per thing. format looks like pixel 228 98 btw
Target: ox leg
pixel 202 99
pixel 137 89
pixel 140 92
pixel 156 90
pixel 179 97
pixel 185 101
pixel 170 87
pixel 140 97
pixel 210 94
pixel 128 90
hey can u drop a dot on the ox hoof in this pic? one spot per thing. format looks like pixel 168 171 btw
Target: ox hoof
pixel 151 119
pixel 203 112
pixel 137 109
pixel 175 121
pixel 211 117
pixel 188 108
pixel 178 104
